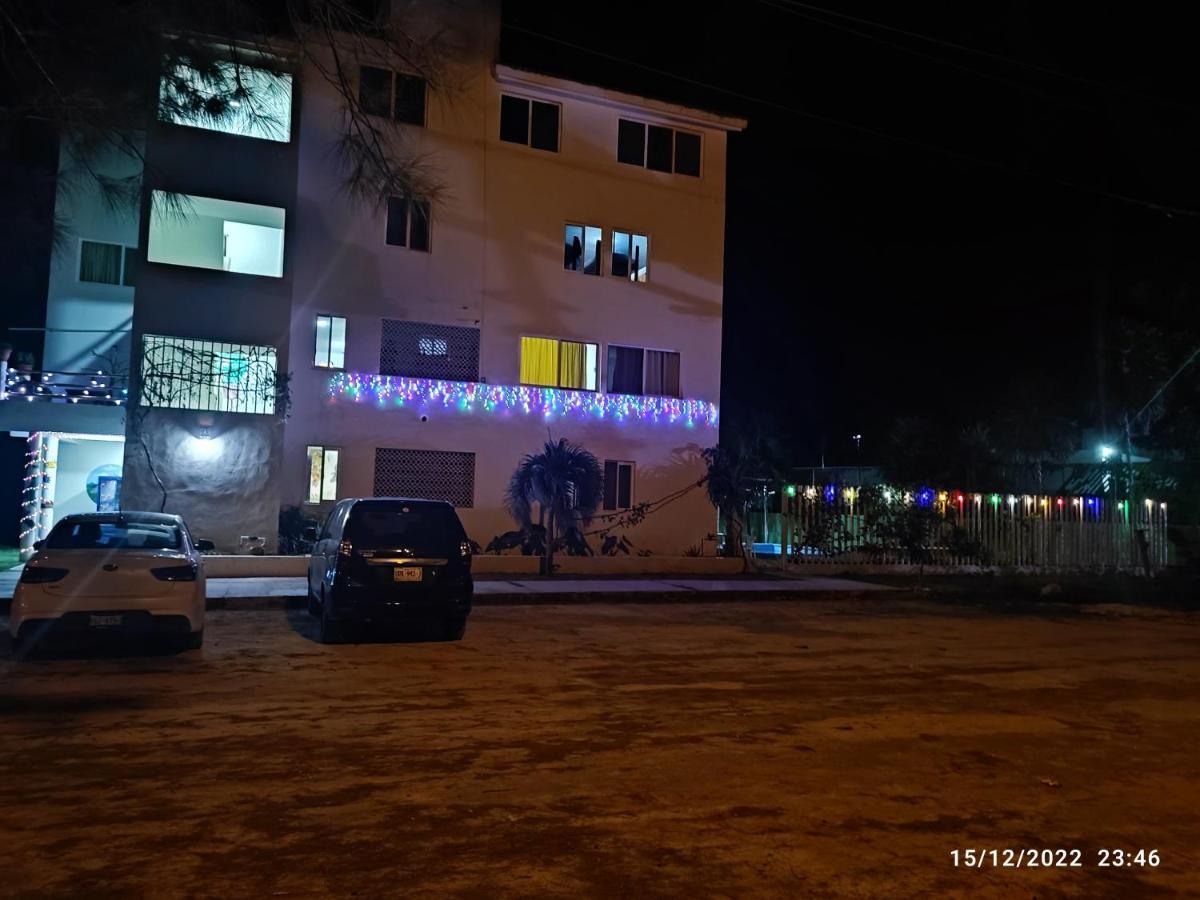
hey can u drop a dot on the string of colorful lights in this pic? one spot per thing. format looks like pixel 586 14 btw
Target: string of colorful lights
pixel 550 403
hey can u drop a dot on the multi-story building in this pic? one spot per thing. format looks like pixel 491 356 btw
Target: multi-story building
pixel 566 282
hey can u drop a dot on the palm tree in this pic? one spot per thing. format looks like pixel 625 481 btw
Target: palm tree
pixel 567 484
pixel 729 484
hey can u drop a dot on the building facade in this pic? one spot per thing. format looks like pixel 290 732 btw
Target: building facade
pixel 565 282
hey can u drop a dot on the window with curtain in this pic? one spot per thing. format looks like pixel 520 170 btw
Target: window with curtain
pixel 624 370
pixel 100 263
pixel 662 373
pixel 552 362
pixel 322 474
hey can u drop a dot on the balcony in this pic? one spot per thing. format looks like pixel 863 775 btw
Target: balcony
pixel 96 388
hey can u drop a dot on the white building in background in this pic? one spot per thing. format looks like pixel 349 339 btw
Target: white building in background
pixel 567 284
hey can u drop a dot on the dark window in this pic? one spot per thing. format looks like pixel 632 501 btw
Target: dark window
pixel 423 528
pixel 410 99
pixel 543 131
pixel 431 474
pixel 514 119
pixel 100 263
pixel 624 370
pixel 631 142
pixel 375 91
pixel 687 153
pixel 618 484
pixel 408 223
pixel 129 275
pixel 428 350
pixel 658 149
pixel 113 534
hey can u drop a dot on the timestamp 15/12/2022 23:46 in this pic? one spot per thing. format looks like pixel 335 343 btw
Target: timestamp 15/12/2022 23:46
pixel 1034 858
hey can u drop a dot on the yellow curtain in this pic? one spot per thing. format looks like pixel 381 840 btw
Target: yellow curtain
pixel 572 369
pixel 539 361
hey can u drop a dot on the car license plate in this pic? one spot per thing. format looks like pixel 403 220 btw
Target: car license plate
pixel 406 574
pixel 104 621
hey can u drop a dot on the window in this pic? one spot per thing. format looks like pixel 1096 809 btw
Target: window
pixel 630 255
pixel 101 263
pixel 430 474
pixel 331 342
pixel 179 373
pixel 114 534
pixel 231 98
pixel 530 122
pixel 624 370
pixel 582 248
pixel 408 223
pixel 428 350
pixel 662 373
pixel 129 273
pixel 659 148
pixel 618 484
pixel 322 474
pixel 557 363
pixel 205 233
pixel 392 95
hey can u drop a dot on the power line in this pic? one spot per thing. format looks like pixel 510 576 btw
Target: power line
pixel 964 48
pixel 1164 208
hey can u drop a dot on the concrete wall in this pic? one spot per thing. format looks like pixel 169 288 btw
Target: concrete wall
pixel 225 487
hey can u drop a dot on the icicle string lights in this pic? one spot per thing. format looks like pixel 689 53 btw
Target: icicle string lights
pixel 550 403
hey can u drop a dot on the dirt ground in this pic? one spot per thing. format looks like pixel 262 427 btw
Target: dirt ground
pixel 766 748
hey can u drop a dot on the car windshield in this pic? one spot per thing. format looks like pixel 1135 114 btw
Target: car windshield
pixel 115 534
pixel 416 527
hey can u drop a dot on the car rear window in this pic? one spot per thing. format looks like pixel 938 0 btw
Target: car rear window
pixel 114 535
pixel 418 527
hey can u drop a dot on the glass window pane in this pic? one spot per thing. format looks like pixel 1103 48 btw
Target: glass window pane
pixel 330 476
pixel 514 120
pixel 610 484
pixel 321 357
pixel 410 99
pixel 543 133
pixel 639 263
pixel 375 91
pixel 687 153
pixel 573 248
pixel 129 274
pixel 337 344
pixel 208 233
pixel 418 226
pixel 315 460
pixel 625 370
pixel 100 263
pixel 397 221
pixel 592 362
pixel 231 98
pixel 631 142
pixel 624 486
pixel 592 238
pixel 662 373
pixel 620 254
pixel 572 365
pixel 539 361
pixel 659 149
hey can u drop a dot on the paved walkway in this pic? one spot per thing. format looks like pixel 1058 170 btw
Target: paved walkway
pixel 544 589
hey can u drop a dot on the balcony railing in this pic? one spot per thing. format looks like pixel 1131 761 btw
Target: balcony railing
pixel 96 387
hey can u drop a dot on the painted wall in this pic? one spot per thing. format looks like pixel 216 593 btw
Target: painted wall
pixel 497 264
pixel 76 460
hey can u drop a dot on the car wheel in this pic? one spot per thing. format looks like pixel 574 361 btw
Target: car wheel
pixel 193 641
pixel 330 632
pixel 454 628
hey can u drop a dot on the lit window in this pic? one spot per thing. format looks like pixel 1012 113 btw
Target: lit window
pixel 428 346
pixel 408 223
pixel 630 256
pixel 529 122
pixel 658 147
pixel 100 263
pixel 322 474
pixel 392 95
pixel 557 363
pixel 180 373
pixel 232 98
pixel 582 248
pixel 205 233
pixel 331 342
pixel 618 484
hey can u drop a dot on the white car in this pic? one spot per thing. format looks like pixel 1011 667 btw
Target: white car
pixel 127 573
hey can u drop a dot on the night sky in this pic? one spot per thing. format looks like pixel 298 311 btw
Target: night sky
pixel 943 269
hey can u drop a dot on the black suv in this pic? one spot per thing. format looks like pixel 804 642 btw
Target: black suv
pixel 390 560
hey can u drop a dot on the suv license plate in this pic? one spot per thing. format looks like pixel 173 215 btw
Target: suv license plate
pixel 104 621
pixel 406 574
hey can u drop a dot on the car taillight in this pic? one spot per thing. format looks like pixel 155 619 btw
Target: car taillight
pixel 175 573
pixel 42 574
pixel 345 548
pixel 464 549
